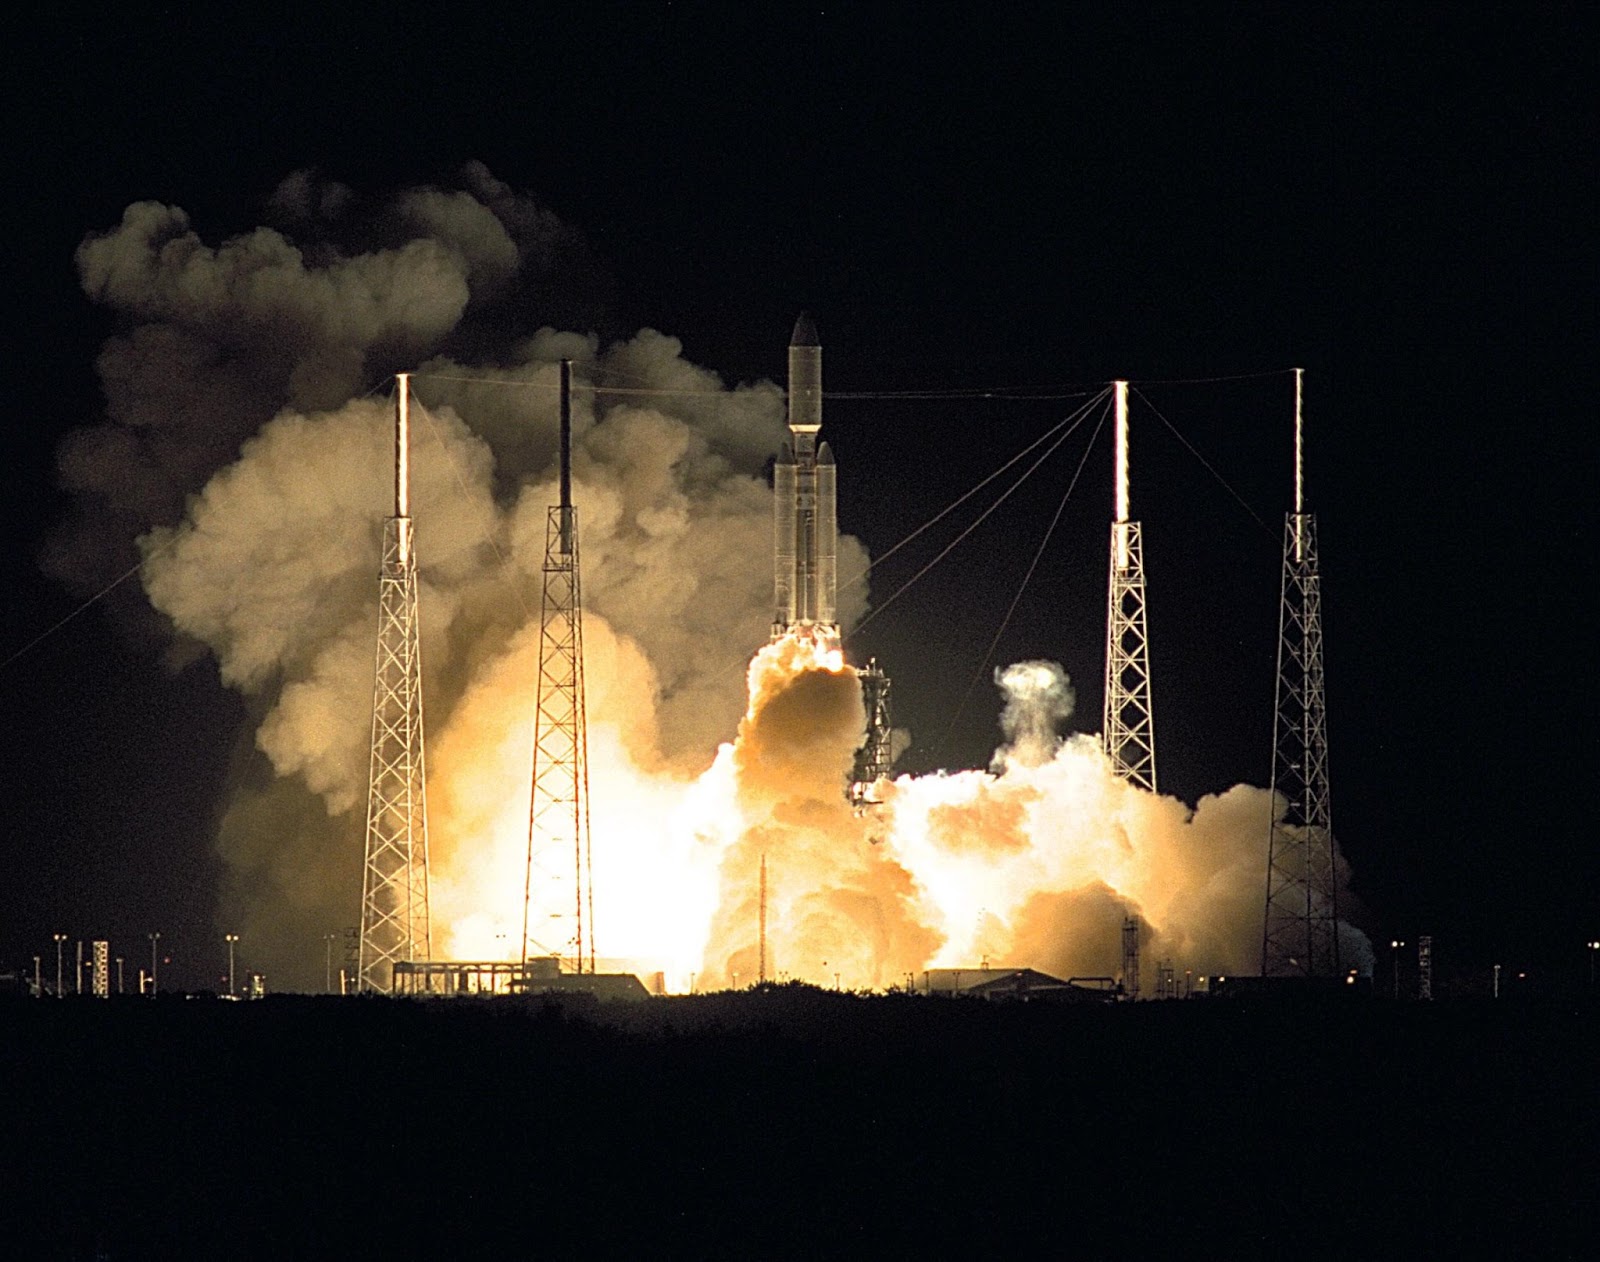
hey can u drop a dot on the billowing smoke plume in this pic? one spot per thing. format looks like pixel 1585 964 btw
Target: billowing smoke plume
pixel 240 449
pixel 1039 698
pixel 838 907
pixel 247 452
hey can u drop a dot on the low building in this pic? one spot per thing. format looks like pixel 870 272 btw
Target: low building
pixel 451 979
pixel 1008 985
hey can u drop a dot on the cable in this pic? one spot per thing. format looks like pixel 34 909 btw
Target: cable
pixel 99 595
pixel 1004 393
pixel 988 656
pixel 1072 419
pixel 461 483
pixel 1010 394
pixel 950 547
pixel 593 386
pixel 1190 446
pixel 1200 381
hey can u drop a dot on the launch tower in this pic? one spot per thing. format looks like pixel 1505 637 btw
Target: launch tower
pixel 1130 957
pixel 876 754
pixel 1300 937
pixel 1128 727
pixel 558 812
pixel 394 885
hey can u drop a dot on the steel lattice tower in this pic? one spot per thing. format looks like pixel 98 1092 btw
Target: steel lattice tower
pixel 394 885
pixel 558 813
pixel 875 758
pixel 1300 936
pixel 1128 725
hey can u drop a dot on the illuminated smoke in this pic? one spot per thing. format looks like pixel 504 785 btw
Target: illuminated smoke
pixel 1039 698
pixel 839 908
pixel 242 450
pixel 237 448
pixel 1035 863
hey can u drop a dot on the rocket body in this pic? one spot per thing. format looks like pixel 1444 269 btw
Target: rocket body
pixel 805 522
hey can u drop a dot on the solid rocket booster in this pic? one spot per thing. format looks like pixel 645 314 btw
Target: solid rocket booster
pixel 805 524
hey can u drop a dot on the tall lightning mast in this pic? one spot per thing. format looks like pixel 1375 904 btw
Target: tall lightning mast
pixel 1128 726
pixel 1300 936
pixel 394 885
pixel 558 812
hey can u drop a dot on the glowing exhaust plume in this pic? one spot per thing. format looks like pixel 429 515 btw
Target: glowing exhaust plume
pixel 239 451
pixel 836 904
pixel 1034 862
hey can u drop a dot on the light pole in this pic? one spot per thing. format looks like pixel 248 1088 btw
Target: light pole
pixel 327 961
pixel 1394 963
pixel 119 974
pixel 1497 981
pixel 38 982
pixel 60 938
pixel 1594 948
pixel 231 938
pixel 154 938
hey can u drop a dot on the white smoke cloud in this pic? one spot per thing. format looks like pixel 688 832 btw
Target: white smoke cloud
pixel 1039 698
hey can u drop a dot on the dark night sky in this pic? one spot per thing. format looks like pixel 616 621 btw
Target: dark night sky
pixel 964 196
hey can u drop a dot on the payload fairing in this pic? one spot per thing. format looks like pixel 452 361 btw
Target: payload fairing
pixel 805 521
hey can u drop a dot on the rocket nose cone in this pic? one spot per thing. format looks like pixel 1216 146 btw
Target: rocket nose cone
pixel 805 332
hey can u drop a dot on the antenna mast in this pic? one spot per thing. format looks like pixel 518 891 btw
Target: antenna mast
pixel 1128 723
pixel 1130 956
pixel 558 813
pixel 1300 936
pixel 763 973
pixel 394 886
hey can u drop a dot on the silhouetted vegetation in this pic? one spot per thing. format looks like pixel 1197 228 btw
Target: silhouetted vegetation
pixel 789 1121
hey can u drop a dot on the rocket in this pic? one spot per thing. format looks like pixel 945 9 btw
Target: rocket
pixel 805 559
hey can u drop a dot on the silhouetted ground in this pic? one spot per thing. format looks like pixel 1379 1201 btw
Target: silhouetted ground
pixel 796 1123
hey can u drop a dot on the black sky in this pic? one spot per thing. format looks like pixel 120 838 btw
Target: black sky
pixel 1400 200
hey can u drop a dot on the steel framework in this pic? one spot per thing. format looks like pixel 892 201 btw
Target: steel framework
pixel 558 812
pixel 1128 721
pixel 1129 725
pixel 1301 936
pixel 394 886
pixel 100 971
pixel 876 755
pixel 1130 957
